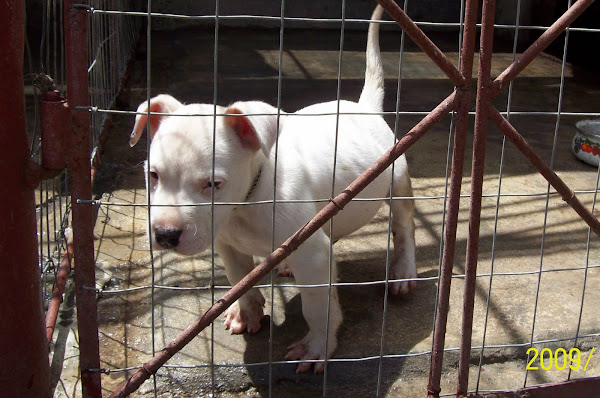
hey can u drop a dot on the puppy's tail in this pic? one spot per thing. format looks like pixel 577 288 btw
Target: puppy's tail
pixel 372 94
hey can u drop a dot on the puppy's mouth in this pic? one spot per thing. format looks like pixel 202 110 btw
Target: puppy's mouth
pixel 186 250
pixel 181 249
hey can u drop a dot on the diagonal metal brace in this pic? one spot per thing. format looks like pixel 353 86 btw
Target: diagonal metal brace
pixel 421 39
pixel 543 168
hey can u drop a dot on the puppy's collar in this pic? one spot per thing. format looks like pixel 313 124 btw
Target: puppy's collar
pixel 253 184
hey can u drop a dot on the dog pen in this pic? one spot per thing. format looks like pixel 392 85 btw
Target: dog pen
pixel 89 30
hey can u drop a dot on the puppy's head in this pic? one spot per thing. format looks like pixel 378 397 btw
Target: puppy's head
pixel 179 169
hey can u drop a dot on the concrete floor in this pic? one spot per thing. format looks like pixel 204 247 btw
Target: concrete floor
pixel 182 65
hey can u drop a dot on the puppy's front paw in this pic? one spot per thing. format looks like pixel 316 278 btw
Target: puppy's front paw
pixel 402 272
pixel 310 348
pixel 238 320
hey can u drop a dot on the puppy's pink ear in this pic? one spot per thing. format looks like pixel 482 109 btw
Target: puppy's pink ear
pixel 242 127
pixel 160 104
pixel 259 128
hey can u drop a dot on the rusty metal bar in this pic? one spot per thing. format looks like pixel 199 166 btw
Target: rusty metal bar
pixel 479 140
pixel 25 371
pixel 565 192
pixel 458 160
pixel 423 41
pixel 291 244
pixel 484 111
pixel 55 121
pixel 538 46
pixel 64 269
pixel 580 388
pixel 76 54
pixel 55 125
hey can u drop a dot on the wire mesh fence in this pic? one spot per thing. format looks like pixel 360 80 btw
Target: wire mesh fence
pixel 45 65
pixel 111 41
pixel 537 261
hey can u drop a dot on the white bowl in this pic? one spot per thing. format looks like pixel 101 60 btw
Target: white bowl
pixel 586 143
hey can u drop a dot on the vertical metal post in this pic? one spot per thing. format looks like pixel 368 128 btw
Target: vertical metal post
pixel 481 122
pixel 76 54
pixel 24 367
pixel 458 155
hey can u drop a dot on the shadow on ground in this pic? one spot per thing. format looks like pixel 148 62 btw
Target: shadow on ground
pixel 349 373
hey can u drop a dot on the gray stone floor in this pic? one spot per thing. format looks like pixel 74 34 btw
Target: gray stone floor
pixel 182 65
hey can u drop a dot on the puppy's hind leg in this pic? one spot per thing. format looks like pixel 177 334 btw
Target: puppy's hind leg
pixel 402 265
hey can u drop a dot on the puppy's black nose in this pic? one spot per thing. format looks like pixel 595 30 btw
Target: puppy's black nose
pixel 167 238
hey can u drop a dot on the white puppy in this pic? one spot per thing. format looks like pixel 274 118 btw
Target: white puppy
pixel 180 169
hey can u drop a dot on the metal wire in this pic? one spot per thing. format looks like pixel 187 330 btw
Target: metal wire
pixel 389 228
pixel 447 175
pixel 319 20
pixel 497 210
pixel 47 58
pixel 346 360
pixel 102 110
pixel 585 274
pixel 112 40
pixel 275 162
pixel 53 204
pixel 330 260
pixel 390 113
pixel 382 199
pixel 49 202
pixel 369 283
pixel 148 204
pixel 212 192
pixel 552 158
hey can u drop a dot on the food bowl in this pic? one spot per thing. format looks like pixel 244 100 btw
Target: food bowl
pixel 586 143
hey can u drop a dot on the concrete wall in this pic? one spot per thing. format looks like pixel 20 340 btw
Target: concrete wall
pixel 533 12
pixel 433 11
pixel 418 10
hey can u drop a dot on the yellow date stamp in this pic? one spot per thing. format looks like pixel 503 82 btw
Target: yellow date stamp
pixel 558 359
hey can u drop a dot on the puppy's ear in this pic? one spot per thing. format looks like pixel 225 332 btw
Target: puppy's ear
pixel 160 104
pixel 257 129
pixel 242 127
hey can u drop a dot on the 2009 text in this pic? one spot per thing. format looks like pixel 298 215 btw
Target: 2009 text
pixel 558 359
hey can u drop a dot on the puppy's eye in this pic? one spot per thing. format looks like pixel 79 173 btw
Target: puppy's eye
pixel 154 175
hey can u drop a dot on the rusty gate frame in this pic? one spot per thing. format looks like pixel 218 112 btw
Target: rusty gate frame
pixel 458 101
pixel 24 369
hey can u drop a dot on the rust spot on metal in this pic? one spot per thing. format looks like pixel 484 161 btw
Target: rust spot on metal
pixel 55 118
